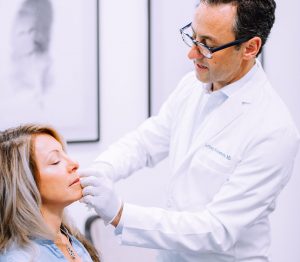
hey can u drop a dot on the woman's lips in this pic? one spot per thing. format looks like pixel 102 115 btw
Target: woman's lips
pixel 75 182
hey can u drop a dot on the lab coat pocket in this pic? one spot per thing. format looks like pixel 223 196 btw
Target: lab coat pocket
pixel 220 165
pixel 208 172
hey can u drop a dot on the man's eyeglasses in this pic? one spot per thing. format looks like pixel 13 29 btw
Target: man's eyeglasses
pixel 203 49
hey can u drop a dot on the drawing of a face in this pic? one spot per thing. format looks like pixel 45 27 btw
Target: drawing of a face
pixel 30 43
pixel 23 37
pixel 31 32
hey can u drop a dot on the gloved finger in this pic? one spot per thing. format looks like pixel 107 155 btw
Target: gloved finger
pixel 89 200
pixel 89 181
pixel 89 190
pixel 89 207
pixel 90 172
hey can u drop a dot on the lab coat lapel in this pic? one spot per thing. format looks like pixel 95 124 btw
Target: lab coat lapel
pixel 213 125
pixel 223 116
pixel 217 121
pixel 187 124
pixel 230 110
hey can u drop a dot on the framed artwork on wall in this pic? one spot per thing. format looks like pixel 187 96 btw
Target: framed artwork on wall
pixel 49 66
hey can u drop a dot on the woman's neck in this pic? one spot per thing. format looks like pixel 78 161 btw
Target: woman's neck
pixel 52 217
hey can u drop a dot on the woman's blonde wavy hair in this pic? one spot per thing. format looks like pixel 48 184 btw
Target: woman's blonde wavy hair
pixel 20 199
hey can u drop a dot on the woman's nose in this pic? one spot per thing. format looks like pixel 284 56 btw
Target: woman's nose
pixel 195 53
pixel 73 165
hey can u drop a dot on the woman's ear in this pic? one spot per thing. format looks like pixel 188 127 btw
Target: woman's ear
pixel 252 47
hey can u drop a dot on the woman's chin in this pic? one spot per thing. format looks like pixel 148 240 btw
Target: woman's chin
pixel 78 195
pixel 75 195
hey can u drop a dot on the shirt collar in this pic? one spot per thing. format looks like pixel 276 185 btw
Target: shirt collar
pixel 40 240
pixel 231 88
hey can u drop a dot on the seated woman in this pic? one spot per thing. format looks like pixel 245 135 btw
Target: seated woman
pixel 37 181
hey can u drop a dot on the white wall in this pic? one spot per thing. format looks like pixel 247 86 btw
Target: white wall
pixel 123 98
pixel 123 103
pixel 169 52
pixel 123 106
pixel 123 77
pixel 282 63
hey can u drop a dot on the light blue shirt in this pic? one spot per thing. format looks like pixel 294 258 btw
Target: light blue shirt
pixel 44 251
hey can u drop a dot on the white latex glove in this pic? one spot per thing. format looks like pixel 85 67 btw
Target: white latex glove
pixel 101 168
pixel 99 193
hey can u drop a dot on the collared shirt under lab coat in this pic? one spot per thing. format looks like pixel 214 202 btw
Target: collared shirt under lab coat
pixel 226 172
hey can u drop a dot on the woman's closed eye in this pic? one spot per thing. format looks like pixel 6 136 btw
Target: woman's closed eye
pixel 56 162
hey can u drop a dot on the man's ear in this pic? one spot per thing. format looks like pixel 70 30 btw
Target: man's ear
pixel 252 47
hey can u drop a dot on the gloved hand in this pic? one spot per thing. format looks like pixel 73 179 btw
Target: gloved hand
pixel 98 191
pixel 99 168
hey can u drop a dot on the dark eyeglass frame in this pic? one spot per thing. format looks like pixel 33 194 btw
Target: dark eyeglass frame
pixel 211 49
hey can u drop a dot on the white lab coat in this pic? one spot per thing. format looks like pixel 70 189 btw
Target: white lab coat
pixel 224 180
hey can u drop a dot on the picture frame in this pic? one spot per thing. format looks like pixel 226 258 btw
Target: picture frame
pixel 49 66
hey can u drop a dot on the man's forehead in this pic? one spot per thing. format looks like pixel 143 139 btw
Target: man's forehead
pixel 219 13
pixel 213 20
pixel 203 35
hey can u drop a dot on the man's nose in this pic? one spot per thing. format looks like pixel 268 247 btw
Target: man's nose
pixel 194 53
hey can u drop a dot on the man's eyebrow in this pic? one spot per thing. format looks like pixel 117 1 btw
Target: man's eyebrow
pixel 207 37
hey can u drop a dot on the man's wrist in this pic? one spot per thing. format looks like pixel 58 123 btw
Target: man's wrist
pixel 117 218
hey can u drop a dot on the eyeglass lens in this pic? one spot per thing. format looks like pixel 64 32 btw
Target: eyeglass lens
pixel 187 36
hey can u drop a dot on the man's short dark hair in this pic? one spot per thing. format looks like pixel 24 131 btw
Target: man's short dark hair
pixel 254 17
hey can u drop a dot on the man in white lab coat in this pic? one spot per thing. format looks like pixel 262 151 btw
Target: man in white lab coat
pixel 230 140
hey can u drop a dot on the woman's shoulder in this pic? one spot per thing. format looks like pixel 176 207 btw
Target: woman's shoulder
pixel 16 253
pixel 42 250
pixel 36 250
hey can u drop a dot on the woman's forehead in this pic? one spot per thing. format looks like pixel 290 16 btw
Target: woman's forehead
pixel 44 144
